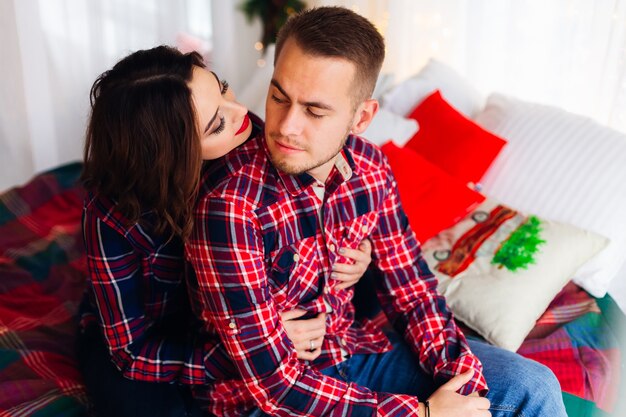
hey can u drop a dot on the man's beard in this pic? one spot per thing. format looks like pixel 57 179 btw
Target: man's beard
pixel 293 169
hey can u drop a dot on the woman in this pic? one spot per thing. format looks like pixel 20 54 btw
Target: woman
pixel 152 125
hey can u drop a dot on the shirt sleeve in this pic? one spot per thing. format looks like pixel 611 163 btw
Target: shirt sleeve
pixel 226 251
pixel 139 347
pixel 410 300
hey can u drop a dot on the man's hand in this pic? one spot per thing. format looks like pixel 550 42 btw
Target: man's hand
pixel 445 402
pixel 349 274
pixel 307 335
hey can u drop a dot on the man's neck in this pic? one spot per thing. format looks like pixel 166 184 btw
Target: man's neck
pixel 322 172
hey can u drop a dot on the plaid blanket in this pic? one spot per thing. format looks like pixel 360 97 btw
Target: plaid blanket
pixel 42 275
pixel 580 342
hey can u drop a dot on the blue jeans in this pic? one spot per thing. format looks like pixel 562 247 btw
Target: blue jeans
pixel 517 386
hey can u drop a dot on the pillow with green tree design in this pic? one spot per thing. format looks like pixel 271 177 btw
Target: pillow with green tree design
pixel 499 269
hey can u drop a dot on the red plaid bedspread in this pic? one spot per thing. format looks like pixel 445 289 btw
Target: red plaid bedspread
pixel 580 344
pixel 42 274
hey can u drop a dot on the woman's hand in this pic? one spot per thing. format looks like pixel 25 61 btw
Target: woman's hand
pixel 306 335
pixel 349 274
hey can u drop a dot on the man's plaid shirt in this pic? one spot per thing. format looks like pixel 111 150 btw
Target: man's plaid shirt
pixel 258 249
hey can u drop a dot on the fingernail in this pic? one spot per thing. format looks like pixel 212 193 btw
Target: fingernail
pixel 333 275
pixel 342 250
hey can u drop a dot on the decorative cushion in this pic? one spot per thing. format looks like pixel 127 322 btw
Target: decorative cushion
pixel 563 167
pixel 389 126
pixel 435 75
pixel 451 141
pixel 499 269
pixel 432 199
pixel 383 84
pixel 617 289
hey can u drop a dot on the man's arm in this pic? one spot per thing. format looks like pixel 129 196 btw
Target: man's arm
pixel 227 254
pixel 411 302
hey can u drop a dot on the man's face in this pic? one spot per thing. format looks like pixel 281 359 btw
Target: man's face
pixel 309 111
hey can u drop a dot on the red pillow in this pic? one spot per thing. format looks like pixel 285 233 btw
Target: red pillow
pixel 451 141
pixel 432 199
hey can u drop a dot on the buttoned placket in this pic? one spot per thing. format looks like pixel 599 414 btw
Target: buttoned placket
pixel 342 168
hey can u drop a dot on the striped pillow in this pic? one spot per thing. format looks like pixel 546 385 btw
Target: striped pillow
pixel 564 167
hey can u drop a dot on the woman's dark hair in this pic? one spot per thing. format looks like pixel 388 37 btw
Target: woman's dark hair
pixel 142 145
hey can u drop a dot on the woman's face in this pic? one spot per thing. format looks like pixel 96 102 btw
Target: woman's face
pixel 222 122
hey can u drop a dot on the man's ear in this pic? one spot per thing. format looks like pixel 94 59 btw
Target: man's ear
pixel 364 115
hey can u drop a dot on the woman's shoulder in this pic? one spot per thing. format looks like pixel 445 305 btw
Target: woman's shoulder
pixel 104 211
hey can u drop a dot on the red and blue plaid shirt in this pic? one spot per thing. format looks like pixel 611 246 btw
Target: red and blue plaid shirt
pixel 258 248
pixel 137 293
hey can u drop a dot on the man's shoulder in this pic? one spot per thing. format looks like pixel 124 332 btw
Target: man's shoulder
pixel 366 155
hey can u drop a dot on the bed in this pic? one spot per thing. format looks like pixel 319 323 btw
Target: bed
pixel 43 269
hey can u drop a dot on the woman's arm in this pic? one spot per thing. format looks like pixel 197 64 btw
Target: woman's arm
pixel 126 282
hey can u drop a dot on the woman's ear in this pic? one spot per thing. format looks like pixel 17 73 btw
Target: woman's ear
pixel 364 115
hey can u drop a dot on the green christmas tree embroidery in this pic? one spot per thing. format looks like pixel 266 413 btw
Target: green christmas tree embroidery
pixel 519 250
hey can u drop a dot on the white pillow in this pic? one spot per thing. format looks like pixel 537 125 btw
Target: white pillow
pixel 389 126
pixel 499 269
pixel 383 85
pixel 617 289
pixel 564 167
pixel 433 76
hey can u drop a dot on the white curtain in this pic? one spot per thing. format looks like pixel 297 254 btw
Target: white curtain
pixel 52 51
pixel 567 53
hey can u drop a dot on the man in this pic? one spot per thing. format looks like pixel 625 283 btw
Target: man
pixel 266 234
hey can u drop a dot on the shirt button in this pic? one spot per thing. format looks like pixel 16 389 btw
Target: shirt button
pixel 232 325
pixel 326 289
pixel 331 247
pixel 364 229
pixel 296 257
pixel 343 342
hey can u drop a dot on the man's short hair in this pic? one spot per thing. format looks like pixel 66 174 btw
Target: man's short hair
pixel 338 32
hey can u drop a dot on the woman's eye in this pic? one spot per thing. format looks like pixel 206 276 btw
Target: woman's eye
pixel 219 128
pixel 224 86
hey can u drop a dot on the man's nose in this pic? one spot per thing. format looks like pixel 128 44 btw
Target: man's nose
pixel 290 123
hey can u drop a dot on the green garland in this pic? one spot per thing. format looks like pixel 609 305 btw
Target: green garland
pixel 273 15
pixel 519 250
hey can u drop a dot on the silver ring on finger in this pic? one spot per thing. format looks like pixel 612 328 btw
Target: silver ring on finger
pixel 312 344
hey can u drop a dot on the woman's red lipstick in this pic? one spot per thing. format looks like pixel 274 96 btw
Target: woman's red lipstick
pixel 244 125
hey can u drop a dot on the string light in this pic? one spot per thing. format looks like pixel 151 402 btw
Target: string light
pixel 258 46
pixel 260 63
